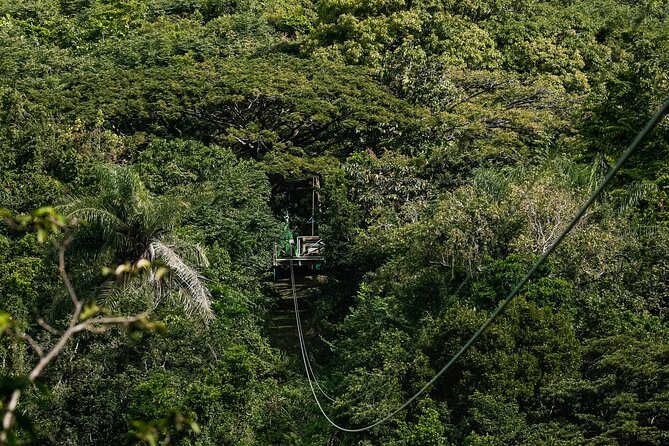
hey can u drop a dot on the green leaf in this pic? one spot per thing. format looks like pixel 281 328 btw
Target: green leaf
pixel 5 321
pixel 90 310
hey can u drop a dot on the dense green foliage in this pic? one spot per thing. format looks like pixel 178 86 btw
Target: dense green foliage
pixel 453 141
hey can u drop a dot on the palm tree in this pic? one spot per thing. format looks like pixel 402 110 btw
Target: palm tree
pixel 136 225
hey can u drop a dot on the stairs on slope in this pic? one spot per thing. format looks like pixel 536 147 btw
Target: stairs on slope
pixel 281 328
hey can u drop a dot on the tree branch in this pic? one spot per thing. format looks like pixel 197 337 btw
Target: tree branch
pixel 47 327
pixel 95 325
pixel 33 344
pixel 63 274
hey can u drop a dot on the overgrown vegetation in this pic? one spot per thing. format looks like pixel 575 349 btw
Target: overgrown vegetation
pixel 453 140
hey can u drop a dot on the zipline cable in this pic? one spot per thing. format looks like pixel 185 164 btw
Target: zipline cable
pixel 300 334
pixel 621 161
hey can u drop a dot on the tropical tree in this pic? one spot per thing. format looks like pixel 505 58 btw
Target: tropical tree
pixel 133 225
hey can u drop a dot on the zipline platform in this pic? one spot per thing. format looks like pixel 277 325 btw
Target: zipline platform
pixel 307 251
pixel 298 261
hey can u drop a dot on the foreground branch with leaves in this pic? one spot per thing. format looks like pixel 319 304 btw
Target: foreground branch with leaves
pixel 85 316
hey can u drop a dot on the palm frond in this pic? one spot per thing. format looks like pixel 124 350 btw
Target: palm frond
pixel 106 289
pixel 122 191
pixel 597 171
pixel 492 182
pixel 193 253
pixel 199 298
pixel 128 297
pixel 633 195
pixel 570 172
pixel 88 209
pixel 130 185
pixel 642 231
pixel 163 215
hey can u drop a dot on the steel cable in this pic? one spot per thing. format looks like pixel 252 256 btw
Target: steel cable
pixel 621 161
pixel 300 334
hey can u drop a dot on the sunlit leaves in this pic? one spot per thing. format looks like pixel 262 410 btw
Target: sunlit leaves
pixel 159 432
pixel 5 322
pixel 45 221
pixel 368 32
